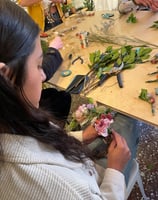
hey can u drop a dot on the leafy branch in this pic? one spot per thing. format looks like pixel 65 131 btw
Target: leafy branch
pixel 104 61
pixel 145 96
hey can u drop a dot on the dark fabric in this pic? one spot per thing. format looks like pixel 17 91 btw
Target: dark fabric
pixel 55 19
pixel 56 102
pixel 56 22
pixel 51 62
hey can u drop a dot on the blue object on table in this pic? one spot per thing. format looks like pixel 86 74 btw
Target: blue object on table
pixel 65 73
pixel 107 15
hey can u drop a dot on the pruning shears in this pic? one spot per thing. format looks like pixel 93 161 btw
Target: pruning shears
pixel 115 71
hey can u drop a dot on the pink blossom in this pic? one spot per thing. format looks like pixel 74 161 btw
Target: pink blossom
pixel 88 113
pixel 102 126
pixel 108 115
pixel 90 106
pixel 83 109
pixel 79 116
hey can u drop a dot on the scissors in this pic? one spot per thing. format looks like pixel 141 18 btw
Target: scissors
pixel 115 71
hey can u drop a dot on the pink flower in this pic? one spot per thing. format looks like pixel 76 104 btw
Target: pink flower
pixel 99 116
pixel 102 125
pixel 79 116
pixel 108 115
pixel 90 106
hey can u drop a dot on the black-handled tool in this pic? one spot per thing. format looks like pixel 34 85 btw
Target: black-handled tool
pixel 119 80
pixel 78 58
pixel 103 78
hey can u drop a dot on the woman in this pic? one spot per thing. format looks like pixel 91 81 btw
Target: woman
pixel 127 6
pixel 38 10
pixel 57 102
pixel 153 4
pixel 38 159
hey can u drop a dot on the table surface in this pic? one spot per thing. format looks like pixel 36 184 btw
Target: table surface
pixel 124 100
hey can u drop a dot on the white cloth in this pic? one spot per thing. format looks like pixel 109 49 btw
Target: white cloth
pixel 77 134
pixel 78 3
pixel 35 171
pixel 106 4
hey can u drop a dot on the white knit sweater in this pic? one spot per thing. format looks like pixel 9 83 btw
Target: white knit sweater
pixel 34 171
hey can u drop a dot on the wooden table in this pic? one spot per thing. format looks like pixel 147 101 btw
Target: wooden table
pixel 124 100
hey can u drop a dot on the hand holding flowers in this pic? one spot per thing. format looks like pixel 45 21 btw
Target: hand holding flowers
pixel 99 117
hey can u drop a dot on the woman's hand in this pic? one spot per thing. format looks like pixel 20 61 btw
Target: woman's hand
pixel 89 134
pixel 56 43
pixel 143 2
pixel 118 153
pixel 153 4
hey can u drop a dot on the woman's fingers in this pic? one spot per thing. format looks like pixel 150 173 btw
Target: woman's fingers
pixel 118 152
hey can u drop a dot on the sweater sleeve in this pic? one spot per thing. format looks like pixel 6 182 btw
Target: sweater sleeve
pixel 77 134
pixel 113 185
pixel 51 62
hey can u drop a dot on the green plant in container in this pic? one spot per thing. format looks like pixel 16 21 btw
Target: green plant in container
pixel 89 4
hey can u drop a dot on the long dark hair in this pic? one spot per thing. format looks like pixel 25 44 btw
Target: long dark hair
pixel 17 38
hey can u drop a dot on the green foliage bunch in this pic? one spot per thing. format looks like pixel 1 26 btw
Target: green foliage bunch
pixel 89 4
pixel 131 19
pixel 103 62
pixel 66 7
pixel 155 25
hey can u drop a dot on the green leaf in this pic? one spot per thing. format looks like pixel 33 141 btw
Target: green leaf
pixel 126 58
pixel 119 61
pixel 90 100
pixel 73 125
pixel 99 73
pixel 129 66
pixel 143 51
pixel 145 57
pixel 91 57
pixel 109 49
pixel 115 56
pixel 94 57
pixel 131 19
pixel 107 68
pixel 123 51
pixel 144 94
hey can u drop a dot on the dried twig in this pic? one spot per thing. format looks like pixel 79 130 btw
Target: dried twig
pixel 119 40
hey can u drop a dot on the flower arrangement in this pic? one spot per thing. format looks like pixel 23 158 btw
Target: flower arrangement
pixel 99 116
